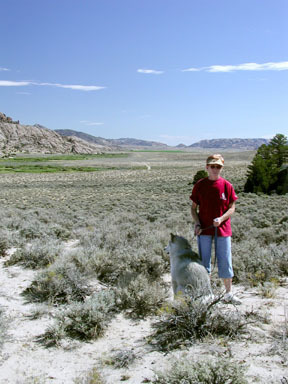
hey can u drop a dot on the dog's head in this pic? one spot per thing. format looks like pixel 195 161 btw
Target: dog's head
pixel 176 244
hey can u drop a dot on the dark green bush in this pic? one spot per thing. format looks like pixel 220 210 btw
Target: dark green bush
pixel 199 175
pixel 263 174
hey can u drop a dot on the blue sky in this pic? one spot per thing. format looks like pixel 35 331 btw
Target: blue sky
pixel 174 71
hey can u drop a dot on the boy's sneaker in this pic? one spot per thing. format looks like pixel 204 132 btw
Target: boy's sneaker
pixel 229 298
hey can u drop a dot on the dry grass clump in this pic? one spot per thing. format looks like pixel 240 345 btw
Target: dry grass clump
pixel 62 283
pixel 92 377
pixel 185 371
pixel 185 321
pixel 3 246
pixel 280 338
pixel 82 321
pixel 38 254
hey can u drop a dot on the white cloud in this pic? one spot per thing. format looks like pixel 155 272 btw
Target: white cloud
pixel 192 70
pixel 90 123
pixel 280 66
pixel 8 83
pixel 150 71
pixel 75 87
pixel 4 69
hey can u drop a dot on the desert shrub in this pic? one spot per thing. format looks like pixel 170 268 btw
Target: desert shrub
pixel 7 240
pixel 59 231
pixel 135 278
pixel 202 372
pixel 108 266
pixel 62 282
pixel 37 254
pixel 121 358
pixel 32 229
pixel 185 321
pixel 139 295
pixel 255 264
pixel 82 321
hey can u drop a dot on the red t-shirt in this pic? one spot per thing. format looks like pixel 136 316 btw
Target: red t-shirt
pixel 213 198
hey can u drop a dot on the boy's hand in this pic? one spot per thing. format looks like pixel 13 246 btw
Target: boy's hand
pixel 217 221
pixel 197 229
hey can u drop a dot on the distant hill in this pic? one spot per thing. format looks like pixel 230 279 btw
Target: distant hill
pixel 84 136
pixel 122 142
pixel 15 138
pixel 129 142
pixel 244 144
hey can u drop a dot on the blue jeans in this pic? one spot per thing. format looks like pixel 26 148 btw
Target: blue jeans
pixel 223 254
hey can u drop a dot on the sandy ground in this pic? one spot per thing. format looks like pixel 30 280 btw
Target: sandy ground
pixel 23 360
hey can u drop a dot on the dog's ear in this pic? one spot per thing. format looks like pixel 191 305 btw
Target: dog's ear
pixel 172 237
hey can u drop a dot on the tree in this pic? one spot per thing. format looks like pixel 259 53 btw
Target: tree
pixel 199 175
pixel 279 148
pixel 263 173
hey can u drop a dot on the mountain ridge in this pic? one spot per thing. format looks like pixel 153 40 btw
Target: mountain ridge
pixel 233 143
pixel 16 137
pixel 121 142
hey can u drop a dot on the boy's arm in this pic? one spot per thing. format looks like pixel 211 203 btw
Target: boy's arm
pixel 194 213
pixel 226 215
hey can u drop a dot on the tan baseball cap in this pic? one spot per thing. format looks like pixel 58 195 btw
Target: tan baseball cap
pixel 215 159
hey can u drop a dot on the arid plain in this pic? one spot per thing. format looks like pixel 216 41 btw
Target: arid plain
pixel 85 291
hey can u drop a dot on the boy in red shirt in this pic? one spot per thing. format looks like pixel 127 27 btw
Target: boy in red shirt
pixel 213 203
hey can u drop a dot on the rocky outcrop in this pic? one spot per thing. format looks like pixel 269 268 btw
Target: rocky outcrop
pixel 15 138
pixel 7 119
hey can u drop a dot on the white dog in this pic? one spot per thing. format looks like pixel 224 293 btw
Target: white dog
pixel 189 277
